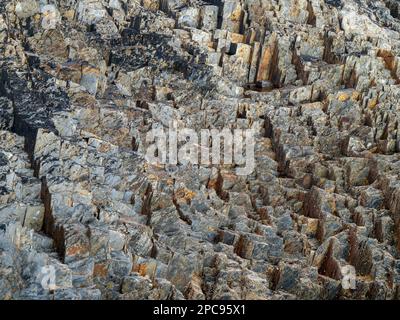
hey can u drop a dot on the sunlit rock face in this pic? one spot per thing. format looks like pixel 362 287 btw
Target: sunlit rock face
pixel 84 214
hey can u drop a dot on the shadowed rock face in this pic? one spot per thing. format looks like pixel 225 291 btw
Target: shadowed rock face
pixel 83 215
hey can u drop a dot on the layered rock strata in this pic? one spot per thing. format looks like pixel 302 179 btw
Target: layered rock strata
pixel 83 81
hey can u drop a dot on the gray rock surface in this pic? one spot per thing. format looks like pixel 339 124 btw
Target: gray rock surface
pixel 84 216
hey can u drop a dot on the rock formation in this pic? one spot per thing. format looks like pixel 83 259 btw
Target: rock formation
pixel 83 81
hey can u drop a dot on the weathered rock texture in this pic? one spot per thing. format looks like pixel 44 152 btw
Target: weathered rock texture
pixel 82 81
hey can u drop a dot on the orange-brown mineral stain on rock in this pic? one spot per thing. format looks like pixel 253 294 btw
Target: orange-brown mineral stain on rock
pixel 237 38
pixel 390 63
pixel 372 103
pixel 343 97
pixel 355 96
pixel 76 249
pixel 141 269
pixel 100 270
pixel 212 184
pixel 295 9
pixel 151 5
pixel 104 148
pixel 265 66
pixel 185 194
pixel 237 13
